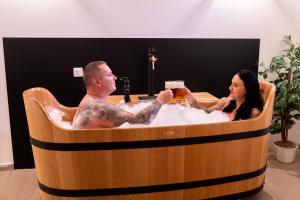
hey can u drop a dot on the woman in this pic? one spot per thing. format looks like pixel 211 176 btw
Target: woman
pixel 244 101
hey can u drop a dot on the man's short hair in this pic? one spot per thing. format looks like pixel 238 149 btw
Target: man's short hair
pixel 91 71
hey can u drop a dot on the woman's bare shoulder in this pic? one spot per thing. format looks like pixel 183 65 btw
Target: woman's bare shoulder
pixel 255 112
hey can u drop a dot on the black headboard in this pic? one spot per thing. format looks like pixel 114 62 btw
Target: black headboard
pixel 204 65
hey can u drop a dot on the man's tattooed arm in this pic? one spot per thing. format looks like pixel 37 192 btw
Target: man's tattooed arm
pixel 117 116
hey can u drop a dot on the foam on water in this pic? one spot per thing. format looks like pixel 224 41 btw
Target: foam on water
pixel 170 115
pixel 57 115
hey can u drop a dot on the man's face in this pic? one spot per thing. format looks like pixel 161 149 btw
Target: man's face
pixel 107 80
pixel 237 88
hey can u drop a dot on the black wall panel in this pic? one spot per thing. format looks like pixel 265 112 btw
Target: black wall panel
pixel 204 65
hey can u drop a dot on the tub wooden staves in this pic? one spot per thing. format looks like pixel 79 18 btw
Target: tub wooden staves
pixel 217 160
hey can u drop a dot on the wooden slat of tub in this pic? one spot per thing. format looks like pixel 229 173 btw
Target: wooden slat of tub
pixel 153 166
pixel 135 134
pixel 188 194
pixel 223 159
pixel 110 169
pixel 223 189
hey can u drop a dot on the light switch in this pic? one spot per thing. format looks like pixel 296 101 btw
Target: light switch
pixel 77 72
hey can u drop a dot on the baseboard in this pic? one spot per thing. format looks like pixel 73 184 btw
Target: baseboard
pixel 6 166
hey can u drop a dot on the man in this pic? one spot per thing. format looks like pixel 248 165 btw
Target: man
pixel 93 110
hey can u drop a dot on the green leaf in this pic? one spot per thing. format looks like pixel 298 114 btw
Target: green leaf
pixel 265 76
pixel 261 73
pixel 285 73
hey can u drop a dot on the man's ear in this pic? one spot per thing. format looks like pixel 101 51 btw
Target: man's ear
pixel 96 81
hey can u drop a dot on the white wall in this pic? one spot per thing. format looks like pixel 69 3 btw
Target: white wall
pixel 268 20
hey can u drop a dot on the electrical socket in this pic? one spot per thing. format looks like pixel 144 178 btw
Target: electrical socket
pixel 77 71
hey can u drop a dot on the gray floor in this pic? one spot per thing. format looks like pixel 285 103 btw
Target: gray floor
pixel 282 181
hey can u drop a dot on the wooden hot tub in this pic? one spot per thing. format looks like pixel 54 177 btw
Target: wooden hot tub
pixel 173 162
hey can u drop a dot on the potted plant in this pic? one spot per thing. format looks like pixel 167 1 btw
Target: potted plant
pixel 284 72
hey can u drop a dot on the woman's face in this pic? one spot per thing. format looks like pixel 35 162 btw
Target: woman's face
pixel 237 88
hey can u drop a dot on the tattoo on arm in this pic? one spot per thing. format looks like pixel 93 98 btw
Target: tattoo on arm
pixel 116 115
pixel 146 115
pixel 198 105
pixel 217 106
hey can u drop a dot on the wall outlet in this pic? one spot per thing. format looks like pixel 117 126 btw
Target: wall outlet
pixel 77 72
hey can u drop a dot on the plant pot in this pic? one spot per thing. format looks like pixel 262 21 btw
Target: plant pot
pixel 286 155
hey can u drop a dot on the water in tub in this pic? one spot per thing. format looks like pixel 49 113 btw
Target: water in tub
pixel 175 114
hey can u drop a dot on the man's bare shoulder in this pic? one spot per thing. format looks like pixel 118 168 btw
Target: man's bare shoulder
pixel 95 104
pixel 92 114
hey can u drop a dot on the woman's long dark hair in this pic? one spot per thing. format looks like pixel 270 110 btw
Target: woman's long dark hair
pixel 253 98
